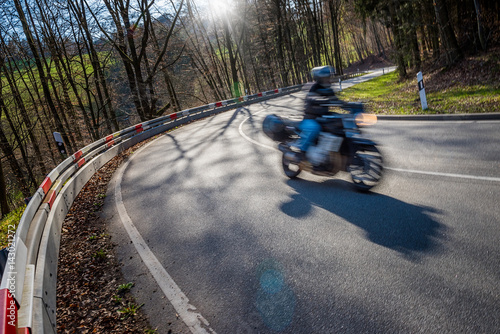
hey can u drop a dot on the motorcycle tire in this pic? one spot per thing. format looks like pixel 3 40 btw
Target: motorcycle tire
pixel 291 169
pixel 366 168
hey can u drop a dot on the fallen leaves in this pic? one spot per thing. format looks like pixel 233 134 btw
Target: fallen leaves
pixel 88 272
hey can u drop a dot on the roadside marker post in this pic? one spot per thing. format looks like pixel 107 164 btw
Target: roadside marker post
pixel 421 89
pixel 60 143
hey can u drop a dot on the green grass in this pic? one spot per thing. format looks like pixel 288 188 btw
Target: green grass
pixel 130 310
pixel 122 288
pixel 100 254
pixel 8 225
pixel 388 95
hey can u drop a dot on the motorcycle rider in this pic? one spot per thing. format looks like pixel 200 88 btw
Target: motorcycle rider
pixel 319 94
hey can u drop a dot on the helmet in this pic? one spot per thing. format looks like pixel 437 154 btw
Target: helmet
pixel 322 74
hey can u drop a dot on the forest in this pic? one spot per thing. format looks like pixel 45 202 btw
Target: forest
pixel 88 68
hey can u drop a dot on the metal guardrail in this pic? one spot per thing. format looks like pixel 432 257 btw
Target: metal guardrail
pixel 344 77
pixel 29 280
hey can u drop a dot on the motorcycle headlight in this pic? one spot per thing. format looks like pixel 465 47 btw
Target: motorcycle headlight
pixel 364 119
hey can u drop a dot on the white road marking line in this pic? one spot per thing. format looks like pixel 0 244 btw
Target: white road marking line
pixel 250 139
pixel 187 312
pixel 461 176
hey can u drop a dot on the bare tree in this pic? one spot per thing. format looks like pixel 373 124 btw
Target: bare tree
pixel 41 71
pixel 4 205
pixel 132 47
pixel 452 51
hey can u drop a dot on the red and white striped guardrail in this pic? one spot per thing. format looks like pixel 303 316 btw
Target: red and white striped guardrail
pixel 28 283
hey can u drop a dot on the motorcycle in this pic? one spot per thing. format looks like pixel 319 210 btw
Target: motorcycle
pixel 341 146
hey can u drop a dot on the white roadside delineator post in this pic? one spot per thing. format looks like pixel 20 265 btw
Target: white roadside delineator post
pixel 60 143
pixel 421 89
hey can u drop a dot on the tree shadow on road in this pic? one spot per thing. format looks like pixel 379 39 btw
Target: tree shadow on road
pixel 406 228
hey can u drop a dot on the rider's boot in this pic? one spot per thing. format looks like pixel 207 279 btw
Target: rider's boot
pixel 295 156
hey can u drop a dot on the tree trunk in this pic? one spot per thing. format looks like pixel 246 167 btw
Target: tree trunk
pixel 357 47
pixel 235 86
pixel 398 39
pixel 416 60
pixel 41 73
pixel 334 21
pixel 166 76
pixel 9 153
pixel 16 129
pixel 266 49
pixel 4 205
pixel 482 40
pixel 104 102
pixel 452 51
pixel 279 43
pixel 213 80
pixel 27 122
pixel 432 27
pixel 9 74
pixel 380 46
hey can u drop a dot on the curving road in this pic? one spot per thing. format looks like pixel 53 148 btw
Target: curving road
pixel 239 248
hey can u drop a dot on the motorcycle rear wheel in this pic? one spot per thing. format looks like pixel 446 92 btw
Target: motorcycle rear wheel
pixel 366 168
pixel 291 169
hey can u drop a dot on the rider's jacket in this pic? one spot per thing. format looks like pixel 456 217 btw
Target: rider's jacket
pixel 317 95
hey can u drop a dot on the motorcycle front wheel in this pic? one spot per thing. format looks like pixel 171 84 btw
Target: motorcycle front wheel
pixel 366 168
pixel 290 168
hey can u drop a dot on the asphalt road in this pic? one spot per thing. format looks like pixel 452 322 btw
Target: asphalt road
pixel 255 252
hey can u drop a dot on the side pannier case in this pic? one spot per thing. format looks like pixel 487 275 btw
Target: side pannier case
pixel 274 127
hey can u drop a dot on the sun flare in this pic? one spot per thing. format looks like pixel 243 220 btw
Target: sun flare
pixel 219 7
